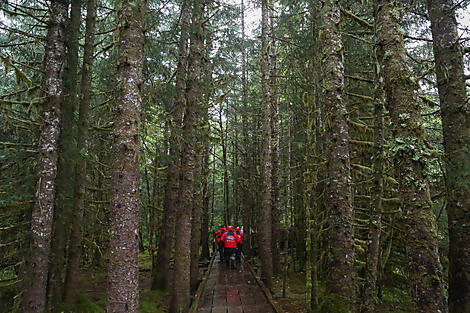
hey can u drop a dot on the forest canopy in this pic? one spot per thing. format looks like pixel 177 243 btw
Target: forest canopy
pixel 334 133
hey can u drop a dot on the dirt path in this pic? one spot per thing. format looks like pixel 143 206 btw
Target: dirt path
pixel 232 291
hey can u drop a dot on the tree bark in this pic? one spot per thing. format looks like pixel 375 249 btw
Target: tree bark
pixel 160 273
pixel 34 297
pixel 340 284
pixel 375 209
pixel 455 112
pixel 410 156
pixel 276 211
pixel 66 163
pixel 205 254
pixel 265 223
pixel 181 284
pixel 123 271
pixel 246 195
pixel 73 265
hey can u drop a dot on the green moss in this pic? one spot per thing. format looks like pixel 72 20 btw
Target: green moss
pixel 335 304
pixel 145 260
pixel 151 301
pixel 81 305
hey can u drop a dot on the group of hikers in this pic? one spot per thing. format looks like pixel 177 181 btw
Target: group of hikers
pixel 229 242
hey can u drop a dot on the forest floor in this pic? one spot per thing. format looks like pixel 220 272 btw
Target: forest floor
pixel 92 291
pixel 395 298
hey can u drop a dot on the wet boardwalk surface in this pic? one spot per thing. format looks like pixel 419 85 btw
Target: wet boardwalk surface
pixel 232 291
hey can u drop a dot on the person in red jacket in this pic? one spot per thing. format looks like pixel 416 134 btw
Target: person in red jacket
pixel 239 245
pixel 218 234
pixel 230 240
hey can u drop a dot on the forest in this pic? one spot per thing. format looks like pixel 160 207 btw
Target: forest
pixel 334 133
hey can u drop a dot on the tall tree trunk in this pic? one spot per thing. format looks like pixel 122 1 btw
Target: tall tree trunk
pixel 181 283
pixel 246 195
pixel 160 272
pixel 410 156
pixel 34 297
pixel 375 209
pixel 455 114
pixel 66 164
pixel 223 141
pixel 73 265
pixel 196 223
pixel 205 254
pixel 205 142
pixel 276 213
pixel 340 282
pixel 264 226
pixel 123 271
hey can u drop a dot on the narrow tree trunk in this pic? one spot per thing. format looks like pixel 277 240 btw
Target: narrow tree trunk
pixel 205 142
pixel 181 283
pixel 66 164
pixel 246 195
pixel 160 273
pixel 265 223
pixel 455 114
pixel 123 271
pixel 73 265
pixel 375 210
pixel 223 142
pixel 340 284
pixel 410 153
pixel 34 297
pixel 205 254
pixel 276 213
pixel 196 213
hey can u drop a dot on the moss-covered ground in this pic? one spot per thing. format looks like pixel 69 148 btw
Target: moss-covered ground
pixel 394 299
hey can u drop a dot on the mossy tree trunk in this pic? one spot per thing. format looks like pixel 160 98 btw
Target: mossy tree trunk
pixel 73 260
pixel 455 112
pixel 181 283
pixel 160 272
pixel 67 159
pixel 123 270
pixel 340 284
pixel 375 205
pixel 265 222
pixel 410 154
pixel 37 264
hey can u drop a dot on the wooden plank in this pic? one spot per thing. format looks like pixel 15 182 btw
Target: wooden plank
pixel 257 309
pixel 275 307
pixel 235 309
pixel 234 300
pixel 219 309
pixel 219 300
pixel 200 289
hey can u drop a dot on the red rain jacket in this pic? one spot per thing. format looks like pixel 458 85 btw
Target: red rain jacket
pixel 230 239
pixel 219 233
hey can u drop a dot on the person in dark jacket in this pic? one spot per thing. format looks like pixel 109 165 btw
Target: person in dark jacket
pixel 218 234
pixel 239 245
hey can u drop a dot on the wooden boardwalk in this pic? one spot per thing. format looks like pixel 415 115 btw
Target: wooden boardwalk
pixel 232 291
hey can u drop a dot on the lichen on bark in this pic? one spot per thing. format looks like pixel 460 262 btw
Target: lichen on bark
pixel 123 270
pixel 340 284
pixel 34 296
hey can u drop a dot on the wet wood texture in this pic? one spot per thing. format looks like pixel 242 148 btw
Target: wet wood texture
pixel 232 291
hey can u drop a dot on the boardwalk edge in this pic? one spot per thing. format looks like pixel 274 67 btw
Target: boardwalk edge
pixel 200 289
pixel 266 292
